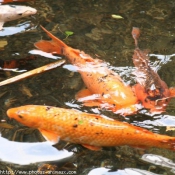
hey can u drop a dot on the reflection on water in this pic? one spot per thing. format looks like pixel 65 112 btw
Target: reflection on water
pixel 73 105
pixel 126 171
pixel 162 59
pixel 159 160
pixel 44 54
pixel 160 120
pixel 27 153
pixel 6 31
pixel 125 72
pixel 70 67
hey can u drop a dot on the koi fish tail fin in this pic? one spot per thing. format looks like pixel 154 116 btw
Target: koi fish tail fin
pixel 135 34
pixel 53 46
pixel 171 144
pixel 165 142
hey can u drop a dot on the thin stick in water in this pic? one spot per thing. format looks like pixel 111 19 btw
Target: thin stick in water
pixel 33 72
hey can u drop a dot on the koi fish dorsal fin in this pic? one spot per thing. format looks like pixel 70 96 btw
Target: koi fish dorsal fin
pixel 54 138
pixel 53 46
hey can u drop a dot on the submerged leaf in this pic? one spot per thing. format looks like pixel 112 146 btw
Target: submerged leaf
pixel 6 125
pixel 117 16
pixel 3 44
pixel 69 33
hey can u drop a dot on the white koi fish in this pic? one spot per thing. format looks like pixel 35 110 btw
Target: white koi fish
pixel 13 12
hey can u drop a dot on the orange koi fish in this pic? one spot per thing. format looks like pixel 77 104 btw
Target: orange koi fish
pixel 104 87
pixel 91 131
pixel 150 90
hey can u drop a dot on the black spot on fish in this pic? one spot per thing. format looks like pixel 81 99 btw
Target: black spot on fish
pixel 20 14
pixel 20 116
pixel 102 79
pixel 48 108
pixel 96 118
pixel 75 126
pixel 13 6
pixel 89 75
pixel 99 133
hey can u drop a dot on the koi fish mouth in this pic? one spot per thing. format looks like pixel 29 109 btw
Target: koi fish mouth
pixel 28 12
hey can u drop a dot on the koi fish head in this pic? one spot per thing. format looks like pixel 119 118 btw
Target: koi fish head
pixel 23 115
pixel 156 100
pixel 24 11
pixel 12 12
pixel 28 11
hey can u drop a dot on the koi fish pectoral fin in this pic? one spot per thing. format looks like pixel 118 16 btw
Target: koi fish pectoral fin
pixel 53 138
pixel 140 147
pixel 83 93
pixel 87 98
pixel 92 103
pixel 48 46
pixel 93 148
pixel 172 91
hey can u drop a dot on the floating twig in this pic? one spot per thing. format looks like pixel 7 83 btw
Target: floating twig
pixel 33 72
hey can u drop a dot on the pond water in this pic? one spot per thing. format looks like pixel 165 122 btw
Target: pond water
pixel 97 33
